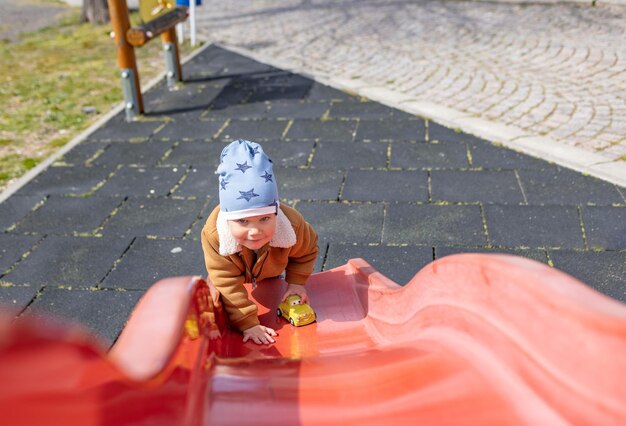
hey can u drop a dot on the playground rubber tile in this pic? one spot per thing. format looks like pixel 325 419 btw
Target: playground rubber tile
pixel 534 226
pixel 567 187
pixel 142 181
pixel 362 110
pixel 13 247
pixel 208 207
pixel 66 181
pixel 249 111
pixel 207 154
pixel 190 130
pixel 349 156
pixel 69 215
pixel 533 254
pixel 191 110
pixel 199 88
pixel 223 63
pixel 233 94
pixel 119 129
pixel 148 261
pixel 605 227
pixel 605 271
pixel 158 217
pixel 308 184
pixel 321 92
pixel 294 153
pixel 468 186
pixel 281 80
pixel 195 231
pixel 385 185
pixel 103 312
pixel 433 225
pixel 274 85
pixel 200 182
pixel 16 207
pixel 489 156
pixel 451 155
pixel 69 261
pixel 187 98
pixel 146 153
pixel 254 130
pixel 338 222
pixel 188 103
pixel 14 299
pixel 82 152
pixel 267 93
pixel 399 264
pixel 194 153
pixel 325 130
pixel 297 109
pixel 439 133
pixel 391 130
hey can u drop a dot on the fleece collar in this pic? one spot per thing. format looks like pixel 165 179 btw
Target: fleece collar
pixel 284 236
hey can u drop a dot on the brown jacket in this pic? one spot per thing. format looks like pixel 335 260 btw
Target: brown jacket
pixel 293 250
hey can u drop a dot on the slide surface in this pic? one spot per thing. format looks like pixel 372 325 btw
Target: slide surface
pixel 471 339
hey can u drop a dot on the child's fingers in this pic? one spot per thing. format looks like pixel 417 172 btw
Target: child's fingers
pixel 270 331
pixel 303 295
pixel 263 338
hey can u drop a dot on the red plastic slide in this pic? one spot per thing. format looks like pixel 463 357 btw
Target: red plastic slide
pixel 471 339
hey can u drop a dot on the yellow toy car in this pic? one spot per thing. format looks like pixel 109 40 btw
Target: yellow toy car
pixel 296 312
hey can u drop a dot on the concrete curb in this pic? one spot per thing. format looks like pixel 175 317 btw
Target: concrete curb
pixel 11 189
pixel 512 137
pixel 588 2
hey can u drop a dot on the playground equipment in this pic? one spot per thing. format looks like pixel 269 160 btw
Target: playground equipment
pixel 160 17
pixel 471 339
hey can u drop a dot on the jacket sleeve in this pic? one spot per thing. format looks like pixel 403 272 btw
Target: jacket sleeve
pixel 303 255
pixel 228 281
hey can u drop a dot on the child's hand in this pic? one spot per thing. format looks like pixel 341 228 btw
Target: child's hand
pixel 296 289
pixel 259 334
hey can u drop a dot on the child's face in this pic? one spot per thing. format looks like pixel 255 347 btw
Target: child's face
pixel 254 231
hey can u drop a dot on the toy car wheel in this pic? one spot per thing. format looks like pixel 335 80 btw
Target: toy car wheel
pixel 279 312
pixel 291 321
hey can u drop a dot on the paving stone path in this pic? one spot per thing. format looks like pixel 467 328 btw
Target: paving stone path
pixel 26 16
pixel 551 71
pixel 124 208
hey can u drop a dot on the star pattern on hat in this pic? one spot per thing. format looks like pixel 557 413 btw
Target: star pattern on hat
pixel 243 167
pixel 255 151
pixel 223 183
pixel 247 195
pixel 267 176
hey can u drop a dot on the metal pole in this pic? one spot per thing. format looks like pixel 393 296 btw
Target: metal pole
pixel 126 59
pixel 172 58
pixel 192 22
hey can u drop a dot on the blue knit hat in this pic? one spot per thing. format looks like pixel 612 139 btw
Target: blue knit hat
pixel 247 186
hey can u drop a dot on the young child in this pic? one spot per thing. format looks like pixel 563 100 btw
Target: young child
pixel 250 237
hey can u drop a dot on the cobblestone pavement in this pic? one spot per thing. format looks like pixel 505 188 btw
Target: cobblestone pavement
pixel 124 207
pixel 553 71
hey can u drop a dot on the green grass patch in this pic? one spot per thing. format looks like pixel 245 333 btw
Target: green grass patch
pixel 49 77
